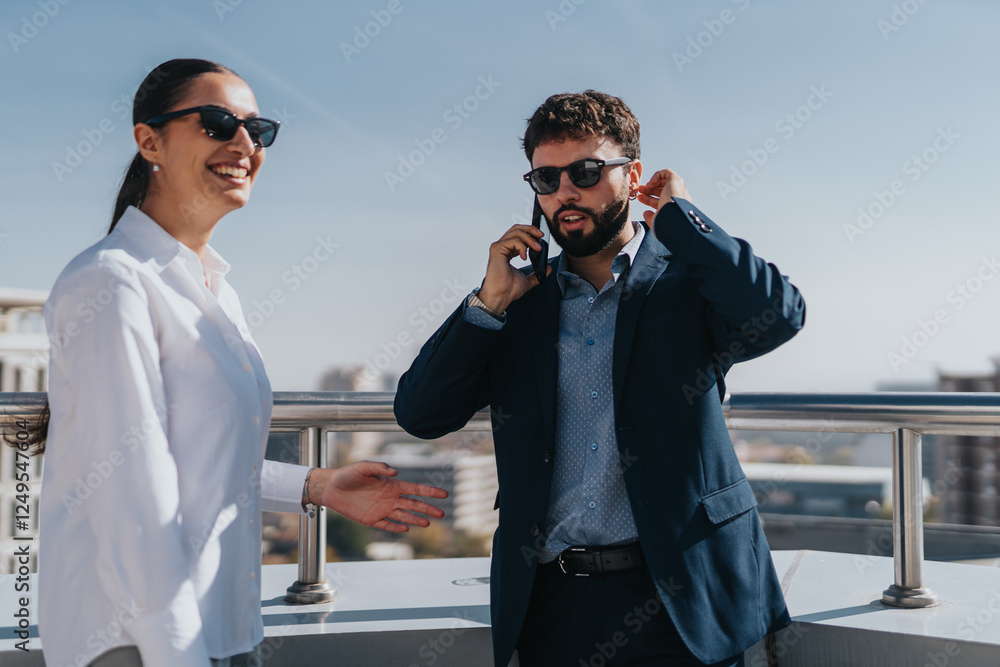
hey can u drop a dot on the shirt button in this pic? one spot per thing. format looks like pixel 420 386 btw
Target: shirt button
pixel 251 522
pixel 246 367
pixel 594 446
pixel 590 299
pixel 253 576
pixel 592 504
pixel 547 457
pixel 255 470
pixel 593 394
pixel 256 421
pixel 590 341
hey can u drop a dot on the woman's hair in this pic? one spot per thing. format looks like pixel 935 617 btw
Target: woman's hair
pixel 162 89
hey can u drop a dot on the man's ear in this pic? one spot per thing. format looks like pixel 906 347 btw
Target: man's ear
pixel 634 175
pixel 148 140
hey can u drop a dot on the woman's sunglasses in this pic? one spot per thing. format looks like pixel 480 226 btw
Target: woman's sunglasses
pixel 582 173
pixel 222 125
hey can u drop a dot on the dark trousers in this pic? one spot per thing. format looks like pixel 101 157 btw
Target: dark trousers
pixel 611 620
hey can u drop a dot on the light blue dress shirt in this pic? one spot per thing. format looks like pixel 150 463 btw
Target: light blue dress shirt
pixel 588 502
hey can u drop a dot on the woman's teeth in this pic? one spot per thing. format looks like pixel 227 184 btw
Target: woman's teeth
pixel 235 172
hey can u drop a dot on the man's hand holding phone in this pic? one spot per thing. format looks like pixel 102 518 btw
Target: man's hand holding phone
pixel 504 284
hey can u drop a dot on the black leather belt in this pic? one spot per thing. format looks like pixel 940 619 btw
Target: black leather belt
pixel 592 561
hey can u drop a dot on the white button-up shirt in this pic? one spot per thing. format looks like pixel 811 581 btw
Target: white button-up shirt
pixel 151 498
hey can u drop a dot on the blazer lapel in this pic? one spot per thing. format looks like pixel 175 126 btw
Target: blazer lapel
pixel 650 263
pixel 544 337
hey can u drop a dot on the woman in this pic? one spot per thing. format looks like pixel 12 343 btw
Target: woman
pixel 157 387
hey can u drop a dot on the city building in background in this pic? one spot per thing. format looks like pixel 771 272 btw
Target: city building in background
pixel 967 476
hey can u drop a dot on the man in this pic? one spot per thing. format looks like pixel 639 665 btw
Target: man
pixel 628 532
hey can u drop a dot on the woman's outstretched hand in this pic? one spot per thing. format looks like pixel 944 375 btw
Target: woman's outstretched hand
pixel 365 492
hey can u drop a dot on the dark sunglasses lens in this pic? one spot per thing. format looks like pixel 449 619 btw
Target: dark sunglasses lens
pixel 262 131
pixel 585 173
pixel 545 181
pixel 219 124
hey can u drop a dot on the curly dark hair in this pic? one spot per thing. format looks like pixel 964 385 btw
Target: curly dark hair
pixel 582 115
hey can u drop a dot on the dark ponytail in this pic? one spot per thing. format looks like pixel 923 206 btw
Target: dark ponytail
pixel 158 93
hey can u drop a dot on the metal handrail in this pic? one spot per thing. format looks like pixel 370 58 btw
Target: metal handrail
pixel 905 415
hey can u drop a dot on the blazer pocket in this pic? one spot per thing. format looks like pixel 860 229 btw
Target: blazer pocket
pixel 729 502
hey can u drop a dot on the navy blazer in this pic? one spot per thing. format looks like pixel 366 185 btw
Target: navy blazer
pixel 685 316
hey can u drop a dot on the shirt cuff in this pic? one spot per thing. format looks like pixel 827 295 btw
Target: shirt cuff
pixel 281 487
pixel 479 317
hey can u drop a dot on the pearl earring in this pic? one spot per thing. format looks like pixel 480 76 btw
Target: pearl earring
pixel 156 167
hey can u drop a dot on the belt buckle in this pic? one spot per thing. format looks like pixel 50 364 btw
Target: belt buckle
pixel 562 563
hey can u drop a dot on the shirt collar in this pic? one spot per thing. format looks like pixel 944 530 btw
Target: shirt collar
pixel 622 261
pixel 157 245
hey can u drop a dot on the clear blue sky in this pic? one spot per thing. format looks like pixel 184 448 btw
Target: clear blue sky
pixel 887 94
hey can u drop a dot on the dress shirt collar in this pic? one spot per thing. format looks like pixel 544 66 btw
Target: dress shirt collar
pixel 622 261
pixel 158 246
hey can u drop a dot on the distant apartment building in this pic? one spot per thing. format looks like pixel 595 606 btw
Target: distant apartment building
pixel 23 362
pixel 476 487
pixel 967 476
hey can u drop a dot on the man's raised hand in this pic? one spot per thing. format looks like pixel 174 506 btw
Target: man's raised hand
pixel 660 191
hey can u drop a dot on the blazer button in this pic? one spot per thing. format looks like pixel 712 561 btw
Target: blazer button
pixel 547 457
pixel 534 529
pixel 701 224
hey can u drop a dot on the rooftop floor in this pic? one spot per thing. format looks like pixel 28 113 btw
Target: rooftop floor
pixel 436 612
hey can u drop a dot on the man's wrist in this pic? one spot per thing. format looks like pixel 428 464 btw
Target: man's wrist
pixel 476 301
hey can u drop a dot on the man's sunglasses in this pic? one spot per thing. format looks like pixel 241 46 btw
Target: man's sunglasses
pixel 582 173
pixel 222 125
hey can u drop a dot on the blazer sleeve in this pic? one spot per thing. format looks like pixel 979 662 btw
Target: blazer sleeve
pixel 752 307
pixel 448 381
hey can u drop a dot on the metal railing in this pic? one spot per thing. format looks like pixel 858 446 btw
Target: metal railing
pixel 906 416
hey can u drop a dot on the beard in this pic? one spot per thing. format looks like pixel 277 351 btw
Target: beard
pixel 608 224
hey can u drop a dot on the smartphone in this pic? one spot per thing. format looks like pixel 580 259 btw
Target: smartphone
pixel 539 258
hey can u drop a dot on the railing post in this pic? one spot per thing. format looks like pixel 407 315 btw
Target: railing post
pixel 907 524
pixel 312 586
